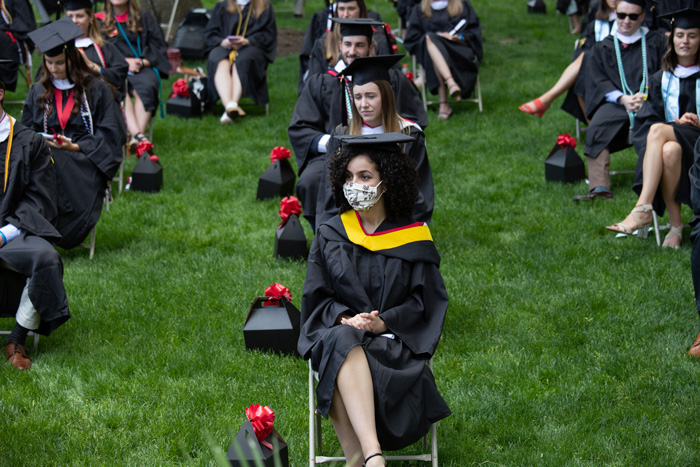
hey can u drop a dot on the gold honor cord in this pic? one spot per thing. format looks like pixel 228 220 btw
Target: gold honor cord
pixel 234 53
pixel 384 240
pixel 7 156
pixel 5 11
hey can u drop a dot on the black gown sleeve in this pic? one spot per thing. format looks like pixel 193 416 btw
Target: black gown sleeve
pixel 408 102
pixel 117 67
pixel 104 146
pixel 154 47
pixel 264 36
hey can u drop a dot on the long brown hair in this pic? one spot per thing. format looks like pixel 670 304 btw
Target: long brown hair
pixel 258 6
pixel 670 60
pixel 390 119
pixel 76 70
pixel 454 8
pixel 133 22
pixel 603 12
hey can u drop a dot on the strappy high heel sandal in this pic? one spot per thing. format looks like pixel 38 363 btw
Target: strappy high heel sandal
pixel 453 89
pixel 641 228
pixel 673 232
pixel 535 107
pixel 364 464
pixel 444 115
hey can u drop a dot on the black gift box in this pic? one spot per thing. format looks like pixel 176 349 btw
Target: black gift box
pixel 290 241
pixel 277 180
pixel 538 6
pixel 564 165
pixel 147 175
pixel 184 107
pixel 248 445
pixel 273 327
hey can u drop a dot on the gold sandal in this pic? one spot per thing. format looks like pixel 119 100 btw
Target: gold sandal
pixel 642 230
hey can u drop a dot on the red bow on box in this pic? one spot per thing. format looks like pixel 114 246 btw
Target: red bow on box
pixel 146 146
pixel 261 418
pixel 566 140
pixel 288 206
pixel 180 88
pixel 280 152
pixel 277 291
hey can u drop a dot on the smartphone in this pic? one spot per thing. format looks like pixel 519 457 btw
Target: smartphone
pixel 232 38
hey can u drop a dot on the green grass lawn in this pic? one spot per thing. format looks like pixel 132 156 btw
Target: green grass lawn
pixel 563 344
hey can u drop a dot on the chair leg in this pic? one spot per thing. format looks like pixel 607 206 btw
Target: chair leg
pixel 312 420
pixel 656 228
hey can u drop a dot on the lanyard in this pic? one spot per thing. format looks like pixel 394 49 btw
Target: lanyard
pixel 623 79
pixel 234 53
pixel 63 114
pixel 7 156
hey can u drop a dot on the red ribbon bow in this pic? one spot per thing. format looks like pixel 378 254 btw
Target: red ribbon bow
pixel 280 152
pixel 288 206
pixel 566 140
pixel 410 76
pixel 261 418
pixel 277 291
pixel 56 139
pixel 180 88
pixel 146 146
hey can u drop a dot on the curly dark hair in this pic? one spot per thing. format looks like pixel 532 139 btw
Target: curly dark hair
pixel 397 171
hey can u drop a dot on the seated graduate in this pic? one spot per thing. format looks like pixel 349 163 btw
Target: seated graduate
pixel 573 78
pixel 374 112
pixel 445 37
pixel 320 25
pixel 666 130
pixel 31 271
pixel 16 20
pixel 617 77
pixel 71 102
pixel 369 335
pixel 100 56
pixel 242 39
pixel 324 104
pixel 573 9
pixel 138 37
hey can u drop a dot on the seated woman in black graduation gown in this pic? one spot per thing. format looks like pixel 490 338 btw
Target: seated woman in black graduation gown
pixel 100 56
pixel 445 37
pixel 137 35
pixel 242 40
pixel 369 335
pixel 71 102
pixel 667 129
pixel 16 20
pixel 374 112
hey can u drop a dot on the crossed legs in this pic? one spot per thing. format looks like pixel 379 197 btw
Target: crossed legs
pixel 137 117
pixel 352 410
pixel 444 76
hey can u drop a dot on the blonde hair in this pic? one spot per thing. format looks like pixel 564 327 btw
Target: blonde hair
pixel 454 8
pixel 258 7
pixel 390 119
pixel 94 29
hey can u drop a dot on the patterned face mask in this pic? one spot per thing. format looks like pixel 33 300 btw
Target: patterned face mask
pixel 362 197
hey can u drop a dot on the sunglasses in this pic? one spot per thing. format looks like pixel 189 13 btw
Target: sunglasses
pixel 632 16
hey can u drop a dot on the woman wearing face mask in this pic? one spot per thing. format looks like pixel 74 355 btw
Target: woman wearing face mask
pixel 374 112
pixel 242 39
pixel 445 37
pixel 99 56
pixel 374 304
pixel 75 111
pixel 666 130
pixel 138 37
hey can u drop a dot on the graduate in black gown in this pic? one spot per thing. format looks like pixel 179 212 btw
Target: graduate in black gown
pixel 31 271
pixel 242 40
pixel 71 102
pixel 374 304
pixel 445 37
pixel 137 35
pixel 16 21
pixel 610 103
pixel 100 56
pixel 666 130
pixel 374 112
pixel 322 106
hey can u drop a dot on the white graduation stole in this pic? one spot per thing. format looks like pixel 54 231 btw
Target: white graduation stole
pixel 671 90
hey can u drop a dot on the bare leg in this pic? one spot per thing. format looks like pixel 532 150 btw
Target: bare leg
pixel 563 84
pixel 130 115
pixel 669 187
pixel 236 86
pixel 143 117
pixel 442 70
pixel 354 387
pixel 343 429
pixel 575 24
pixel 223 81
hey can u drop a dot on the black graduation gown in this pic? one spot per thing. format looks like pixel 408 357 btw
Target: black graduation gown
pixel 609 125
pixel 29 203
pixel 154 49
pixel 81 176
pixel 12 38
pixel 321 108
pixel 462 57
pixel 252 61
pixel 402 282
pixel 326 206
pixel 113 70
pixel 653 112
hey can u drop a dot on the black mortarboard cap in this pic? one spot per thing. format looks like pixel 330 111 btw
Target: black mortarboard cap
pixel 385 141
pixel 369 69
pixel 73 5
pixel 641 3
pixel 687 18
pixel 357 26
pixel 52 39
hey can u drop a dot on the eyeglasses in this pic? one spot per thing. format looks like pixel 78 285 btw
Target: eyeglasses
pixel 632 16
